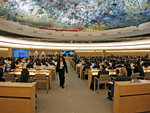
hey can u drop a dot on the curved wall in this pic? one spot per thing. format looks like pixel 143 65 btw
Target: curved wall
pixel 15 43
pixel 17 28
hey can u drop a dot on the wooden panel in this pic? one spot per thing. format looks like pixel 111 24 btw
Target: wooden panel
pixel 15 92
pixel 33 101
pixel 4 53
pixel 135 89
pixel 140 103
pixel 10 105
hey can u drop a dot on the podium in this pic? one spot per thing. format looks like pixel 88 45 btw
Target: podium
pixel 17 97
pixel 131 97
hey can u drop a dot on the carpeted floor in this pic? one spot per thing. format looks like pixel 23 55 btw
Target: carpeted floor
pixel 74 98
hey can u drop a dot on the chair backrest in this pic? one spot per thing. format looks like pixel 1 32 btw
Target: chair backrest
pixel 147 76
pixel 86 71
pixel 104 79
pixel 9 77
pixel 134 75
pixel 40 76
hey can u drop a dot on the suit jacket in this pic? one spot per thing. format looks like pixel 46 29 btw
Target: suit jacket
pixel 29 66
pixel 96 66
pixel 123 78
pixel 87 66
pixel 140 70
pixel 64 67
pixel 102 72
pixel 1 75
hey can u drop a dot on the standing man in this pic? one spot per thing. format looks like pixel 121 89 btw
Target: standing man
pixel 61 68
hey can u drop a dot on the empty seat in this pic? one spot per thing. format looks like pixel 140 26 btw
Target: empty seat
pixel 104 79
pixel 135 76
pixel 41 80
pixel 9 77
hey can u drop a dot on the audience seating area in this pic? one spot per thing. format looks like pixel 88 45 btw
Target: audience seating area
pixel 100 73
pixel 137 68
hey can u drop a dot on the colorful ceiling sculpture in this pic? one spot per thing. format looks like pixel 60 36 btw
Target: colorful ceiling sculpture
pixel 76 15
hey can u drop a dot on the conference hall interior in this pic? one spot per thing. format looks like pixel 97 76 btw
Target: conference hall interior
pixel 74 56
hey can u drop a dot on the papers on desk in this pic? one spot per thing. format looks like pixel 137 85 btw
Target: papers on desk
pixel 145 82
pixel 95 73
pixel 110 82
pixel 141 81
pixel 43 72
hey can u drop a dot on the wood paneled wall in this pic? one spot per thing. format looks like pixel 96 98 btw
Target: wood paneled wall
pixel 89 53
pixel 4 53
pixel 128 53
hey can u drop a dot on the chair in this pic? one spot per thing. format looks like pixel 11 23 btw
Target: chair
pixel 135 75
pixel 104 79
pixel 85 73
pixel 41 79
pixel 10 77
pixel 147 76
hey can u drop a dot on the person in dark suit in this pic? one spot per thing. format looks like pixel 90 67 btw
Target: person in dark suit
pixel 13 65
pixel 124 77
pixel 103 71
pixel 87 66
pixel 128 68
pixel 111 67
pixel 30 65
pixel 138 69
pixel 51 63
pixel 1 72
pixel 61 68
pixel 96 65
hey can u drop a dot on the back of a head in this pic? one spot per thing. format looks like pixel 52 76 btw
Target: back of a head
pixel 124 71
pixel 24 75
pixel 138 63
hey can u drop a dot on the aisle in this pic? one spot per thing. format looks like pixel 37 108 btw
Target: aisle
pixel 74 98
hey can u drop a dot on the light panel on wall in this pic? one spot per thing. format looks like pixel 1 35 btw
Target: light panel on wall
pixel 3 48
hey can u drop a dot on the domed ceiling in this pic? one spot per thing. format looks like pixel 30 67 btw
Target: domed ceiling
pixel 76 15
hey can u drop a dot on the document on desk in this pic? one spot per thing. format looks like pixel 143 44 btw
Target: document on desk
pixel 110 82
pixel 145 81
pixel 95 73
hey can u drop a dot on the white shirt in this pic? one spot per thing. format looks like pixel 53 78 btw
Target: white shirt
pixel 61 65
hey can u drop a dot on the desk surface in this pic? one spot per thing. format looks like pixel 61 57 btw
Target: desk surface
pixel 129 83
pixel 14 84
pixel 30 73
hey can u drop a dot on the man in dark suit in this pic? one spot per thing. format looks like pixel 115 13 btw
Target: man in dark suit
pixel 1 72
pixel 87 66
pixel 30 65
pixel 103 71
pixel 124 77
pixel 96 65
pixel 138 69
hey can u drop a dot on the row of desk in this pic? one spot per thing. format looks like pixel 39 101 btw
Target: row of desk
pixel 128 97
pixel 48 73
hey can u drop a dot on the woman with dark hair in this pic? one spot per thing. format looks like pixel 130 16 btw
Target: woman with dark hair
pixel 61 68
pixel 13 64
pixel 24 76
